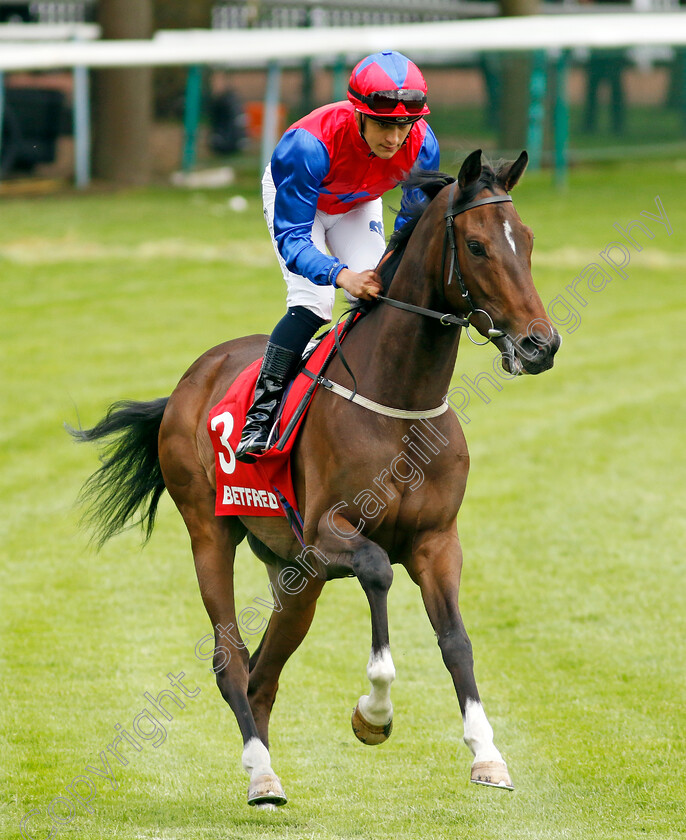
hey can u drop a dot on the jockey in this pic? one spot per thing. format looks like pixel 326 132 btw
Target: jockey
pixel 322 190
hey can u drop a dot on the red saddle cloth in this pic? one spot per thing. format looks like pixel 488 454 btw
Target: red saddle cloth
pixel 264 488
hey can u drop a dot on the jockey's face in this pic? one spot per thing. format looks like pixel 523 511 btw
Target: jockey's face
pixel 383 138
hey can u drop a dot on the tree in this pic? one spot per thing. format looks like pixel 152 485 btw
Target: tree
pixel 123 99
pixel 516 73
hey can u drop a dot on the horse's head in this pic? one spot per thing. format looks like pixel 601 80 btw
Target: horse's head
pixel 490 280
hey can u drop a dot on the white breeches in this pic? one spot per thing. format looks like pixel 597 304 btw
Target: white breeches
pixel 356 238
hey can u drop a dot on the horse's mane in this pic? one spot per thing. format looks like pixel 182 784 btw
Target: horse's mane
pixel 426 184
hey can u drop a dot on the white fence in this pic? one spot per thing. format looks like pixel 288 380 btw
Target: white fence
pixel 264 47
pixel 256 47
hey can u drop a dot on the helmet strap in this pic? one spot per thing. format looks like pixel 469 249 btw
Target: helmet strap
pixel 361 127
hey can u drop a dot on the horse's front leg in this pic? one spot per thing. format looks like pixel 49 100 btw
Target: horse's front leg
pixel 372 719
pixel 436 566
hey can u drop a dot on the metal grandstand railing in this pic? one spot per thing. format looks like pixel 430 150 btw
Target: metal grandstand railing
pixel 293 13
pixel 80 11
pixel 48 11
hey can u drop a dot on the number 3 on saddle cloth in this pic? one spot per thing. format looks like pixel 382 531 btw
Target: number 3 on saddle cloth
pixel 265 487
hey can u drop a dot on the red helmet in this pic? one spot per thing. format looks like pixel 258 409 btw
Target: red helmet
pixel 389 86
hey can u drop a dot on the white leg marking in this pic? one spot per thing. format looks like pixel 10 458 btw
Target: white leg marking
pixel 508 236
pixel 376 707
pixel 478 734
pixel 256 760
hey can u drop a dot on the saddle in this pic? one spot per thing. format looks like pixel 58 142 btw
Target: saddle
pixel 265 487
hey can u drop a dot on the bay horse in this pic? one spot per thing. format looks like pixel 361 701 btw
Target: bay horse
pixel 375 486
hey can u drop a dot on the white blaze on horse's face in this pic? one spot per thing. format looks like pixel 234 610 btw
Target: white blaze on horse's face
pixel 508 235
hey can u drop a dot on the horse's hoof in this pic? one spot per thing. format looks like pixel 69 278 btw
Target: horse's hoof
pixel 369 733
pixel 492 774
pixel 266 790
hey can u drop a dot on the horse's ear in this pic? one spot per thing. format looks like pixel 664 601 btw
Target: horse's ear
pixel 470 170
pixel 510 175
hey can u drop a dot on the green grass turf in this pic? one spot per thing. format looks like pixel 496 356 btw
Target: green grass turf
pixel 573 530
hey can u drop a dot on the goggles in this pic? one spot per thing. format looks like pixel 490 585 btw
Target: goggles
pixel 386 101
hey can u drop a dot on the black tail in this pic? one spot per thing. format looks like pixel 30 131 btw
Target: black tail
pixel 130 479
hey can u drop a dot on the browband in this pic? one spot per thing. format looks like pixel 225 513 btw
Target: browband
pixel 491 199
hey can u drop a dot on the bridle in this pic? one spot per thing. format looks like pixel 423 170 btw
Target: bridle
pixel 449 242
pixel 445 318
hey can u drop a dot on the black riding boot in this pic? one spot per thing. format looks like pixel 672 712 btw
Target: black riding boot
pixel 274 374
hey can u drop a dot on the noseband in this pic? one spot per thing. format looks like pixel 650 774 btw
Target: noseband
pixel 449 241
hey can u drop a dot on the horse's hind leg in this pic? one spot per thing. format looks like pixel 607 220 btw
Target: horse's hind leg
pixel 214 565
pixel 436 566
pixel 213 541
pixel 289 622
pixel 187 463
pixel 372 719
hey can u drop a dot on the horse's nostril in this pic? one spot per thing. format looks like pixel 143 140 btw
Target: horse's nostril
pixel 537 344
pixel 531 349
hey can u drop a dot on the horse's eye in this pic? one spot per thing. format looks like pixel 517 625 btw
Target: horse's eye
pixel 476 248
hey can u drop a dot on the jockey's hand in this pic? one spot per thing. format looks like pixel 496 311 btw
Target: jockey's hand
pixel 365 284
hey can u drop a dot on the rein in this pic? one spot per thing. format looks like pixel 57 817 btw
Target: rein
pixel 447 319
